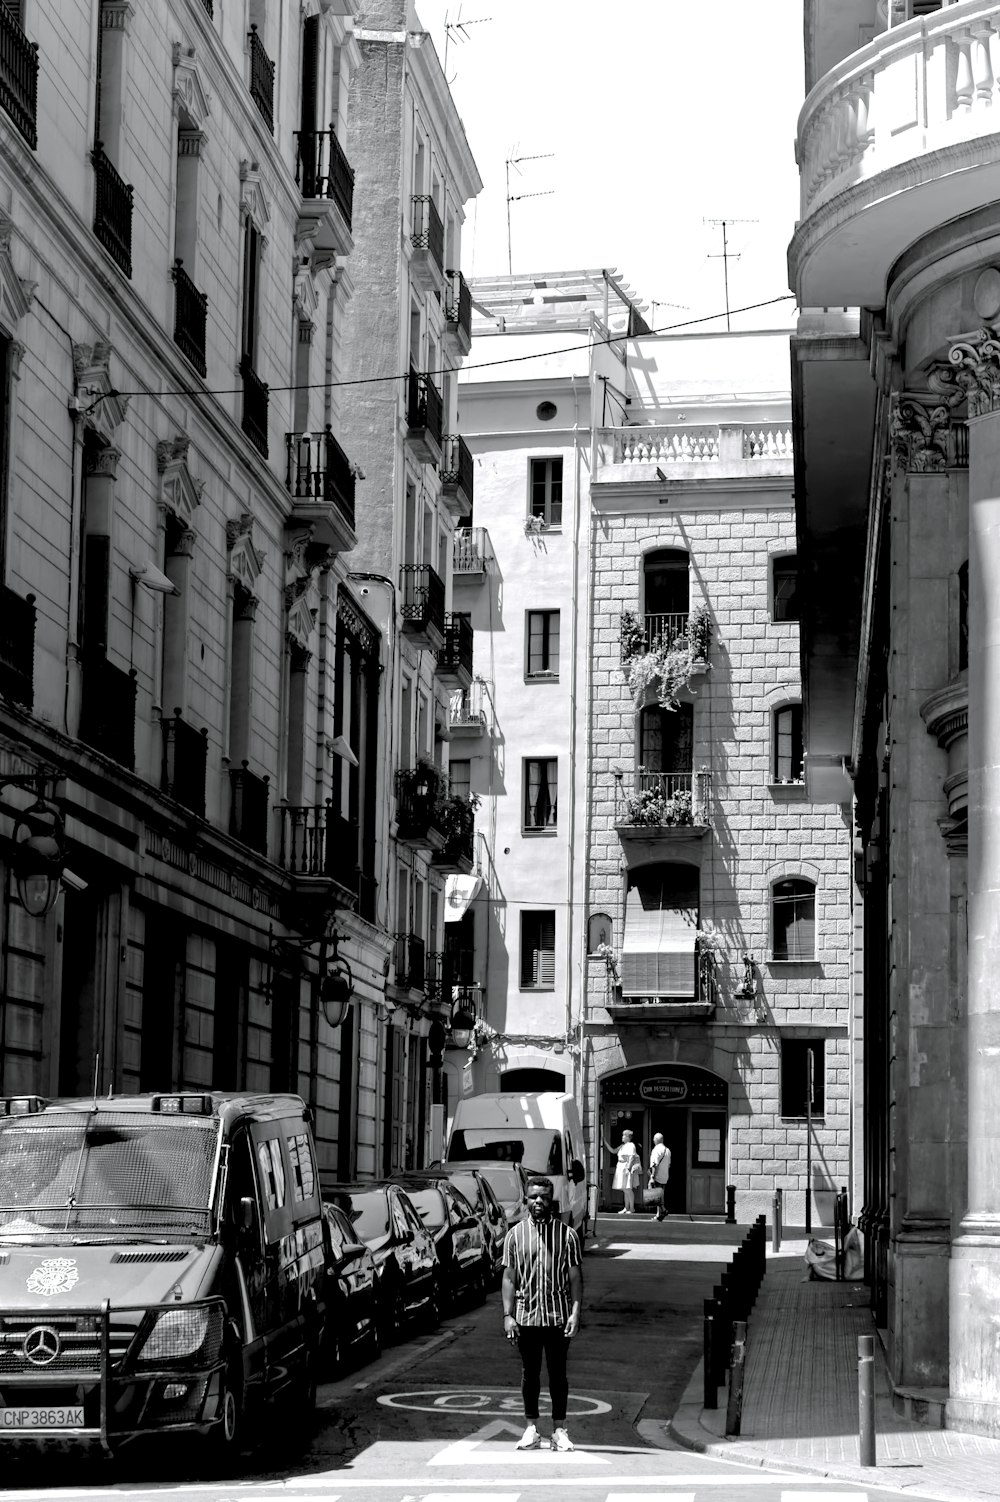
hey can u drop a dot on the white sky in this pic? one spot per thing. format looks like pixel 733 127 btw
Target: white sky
pixel 660 114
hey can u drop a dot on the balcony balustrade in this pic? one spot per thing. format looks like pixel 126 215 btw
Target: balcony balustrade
pixel 456 817
pixel 17 647
pixel 261 78
pixel 255 400
pixel 434 975
pixel 424 417
pixel 471 555
pixel 661 630
pixel 321 481
pixel 112 209
pixel 458 971
pixel 190 318
pixel 469 711
pixel 418 808
pixel 457 476
pixel 248 808
pixel 458 313
pixel 454 658
pixel 662 806
pixel 107 711
pixel 427 242
pixel 727 444
pixel 18 76
pixel 421 604
pixel 409 962
pixel 325 179
pixel 184 763
pixel 698 1007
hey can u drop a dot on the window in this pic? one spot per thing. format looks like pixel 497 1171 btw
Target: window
pixel 666 590
pixel 802 1068
pixel 794 920
pixel 786 601
pixel 251 280
pixel 546 491
pixel 303 1167
pixel 666 740
pixel 541 793
pixel 538 951
pixel 459 778
pixel 272 1172
pixel 787 757
pixel 543 644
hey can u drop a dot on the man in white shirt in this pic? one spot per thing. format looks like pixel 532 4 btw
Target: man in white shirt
pixel 659 1173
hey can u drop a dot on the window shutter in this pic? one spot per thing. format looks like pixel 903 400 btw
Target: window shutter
pixel 551 662
pixel 310 71
pixel 546 969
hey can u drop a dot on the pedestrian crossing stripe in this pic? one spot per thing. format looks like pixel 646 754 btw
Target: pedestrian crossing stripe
pixel 473 1450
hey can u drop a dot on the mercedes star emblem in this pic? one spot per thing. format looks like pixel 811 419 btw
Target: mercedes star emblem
pixel 41 1345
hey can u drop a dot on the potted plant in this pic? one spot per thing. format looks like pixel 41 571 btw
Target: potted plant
pixel 650 806
pixel 668 664
pixel 455 816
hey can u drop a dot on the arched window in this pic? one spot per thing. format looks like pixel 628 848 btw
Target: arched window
pixel 665 593
pixel 786 744
pixel 793 919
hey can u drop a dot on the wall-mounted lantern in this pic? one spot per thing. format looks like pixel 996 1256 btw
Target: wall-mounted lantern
pixel 463 1019
pixel 38 859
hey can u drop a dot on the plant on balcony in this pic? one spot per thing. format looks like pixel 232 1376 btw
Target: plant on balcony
pixel 484 1036
pixel 670 665
pixel 455 816
pixel 633 637
pixel 651 806
pixel 710 954
pixel 607 954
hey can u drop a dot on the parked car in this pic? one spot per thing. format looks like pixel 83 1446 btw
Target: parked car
pixel 407 1271
pixel 542 1131
pixel 508 1181
pixel 351 1325
pixel 475 1186
pixel 462 1247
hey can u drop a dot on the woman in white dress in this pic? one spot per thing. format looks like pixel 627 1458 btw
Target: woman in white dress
pixel 628 1172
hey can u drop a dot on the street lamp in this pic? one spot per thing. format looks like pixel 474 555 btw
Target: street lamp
pixel 39 853
pixel 463 1019
pixel 334 985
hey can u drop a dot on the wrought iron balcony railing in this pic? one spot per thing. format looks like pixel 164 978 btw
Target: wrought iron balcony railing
pixel 190 317
pixel 255 399
pixel 323 171
pixel 317 469
pixel 455 816
pixel 428 230
pixel 261 79
pixel 455 657
pixel 456 465
pixel 469 709
pixel 417 802
pixel 471 552
pixel 409 962
pixel 184 763
pixel 17 647
pixel 663 800
pixel 112 209
pixel 421 597
pixel 315 841
pixel 248 809
pixel 107 711
pixel 18 76
pixel 424 409
pixel 458 305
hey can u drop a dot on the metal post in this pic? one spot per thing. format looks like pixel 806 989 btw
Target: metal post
pixel 809 1137
pixel 866 1400
pixel 776 1222
pixel 710 1397
pixel 730 1204
pixel 737 1366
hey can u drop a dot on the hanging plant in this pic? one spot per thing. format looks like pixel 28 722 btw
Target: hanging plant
pixel 610 959
pixel 633 637
pixel 484 1036
pixel 669 664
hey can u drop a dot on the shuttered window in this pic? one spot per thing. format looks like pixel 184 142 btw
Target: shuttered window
pixel 538 951
pixel 658 950
pixel 794 920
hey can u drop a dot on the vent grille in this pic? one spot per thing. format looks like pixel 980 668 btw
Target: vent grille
pixel 164 1256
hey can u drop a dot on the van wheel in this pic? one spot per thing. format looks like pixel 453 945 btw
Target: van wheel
pixel 225 1438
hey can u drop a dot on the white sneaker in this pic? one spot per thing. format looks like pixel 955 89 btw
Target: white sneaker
pixel 622 1212
pixel 531 1439
pixel 560 1440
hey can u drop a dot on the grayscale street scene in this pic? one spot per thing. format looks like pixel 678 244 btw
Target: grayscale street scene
pixel 499 728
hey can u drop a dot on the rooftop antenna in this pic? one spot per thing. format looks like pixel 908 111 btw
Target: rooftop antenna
pixel 513 161
pixel 458 26
pixel 727 255
pixel 682 307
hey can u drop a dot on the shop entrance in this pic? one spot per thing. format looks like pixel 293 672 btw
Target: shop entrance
pixel 688 1105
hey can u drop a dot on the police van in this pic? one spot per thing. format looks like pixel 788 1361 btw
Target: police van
pixel 161 1266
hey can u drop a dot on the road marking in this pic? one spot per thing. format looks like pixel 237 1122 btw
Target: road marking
pixel 473 1451
pixel 494 1402
pixel 811 1496
pixel 468 1497
pixel 650 1497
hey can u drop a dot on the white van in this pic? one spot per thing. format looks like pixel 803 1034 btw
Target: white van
pixel 540 1131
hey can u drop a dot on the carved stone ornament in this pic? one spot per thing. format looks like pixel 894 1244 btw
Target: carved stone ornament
pixel 356 624
pixel 300 620
pixel 975 359
pixel 306 293
pixel 116 15
pixel 298 563
pixel 919 434
pixel 179 491
pixel 246 560
pixel 96 403
pixel 253 205
pixel 190 93
pixel 16 295
pixel 102 463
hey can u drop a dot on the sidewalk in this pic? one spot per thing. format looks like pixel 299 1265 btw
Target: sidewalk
pixel 800 1397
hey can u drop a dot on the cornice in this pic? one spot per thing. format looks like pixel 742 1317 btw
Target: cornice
pixel 759 492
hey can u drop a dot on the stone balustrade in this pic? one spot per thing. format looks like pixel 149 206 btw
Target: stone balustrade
pixel 690 444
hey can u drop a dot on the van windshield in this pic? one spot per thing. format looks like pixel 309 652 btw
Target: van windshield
pixel 538 1148
pixel 110 1172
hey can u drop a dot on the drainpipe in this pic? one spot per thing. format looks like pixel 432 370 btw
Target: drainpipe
pixel 580 966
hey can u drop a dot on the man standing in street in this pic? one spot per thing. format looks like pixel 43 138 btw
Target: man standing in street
pixel 659 1173
pixel 542 1297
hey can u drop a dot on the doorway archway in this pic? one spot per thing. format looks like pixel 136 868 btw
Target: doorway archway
pixel 689 1105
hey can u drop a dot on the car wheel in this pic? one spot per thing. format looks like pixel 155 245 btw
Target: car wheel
pixel 225 1438
pixel 432 1309
pixel 374 1340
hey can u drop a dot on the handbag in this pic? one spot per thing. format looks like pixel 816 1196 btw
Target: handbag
pixel 636 1179
pixel 652 1194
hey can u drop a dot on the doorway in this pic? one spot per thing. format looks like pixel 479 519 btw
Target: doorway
pixel 688 1106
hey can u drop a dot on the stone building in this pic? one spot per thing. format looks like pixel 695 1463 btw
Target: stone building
pixel 193 749
pixel 895 263
pixel 666 928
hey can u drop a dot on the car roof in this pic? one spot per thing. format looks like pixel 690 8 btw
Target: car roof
pixel 221 1105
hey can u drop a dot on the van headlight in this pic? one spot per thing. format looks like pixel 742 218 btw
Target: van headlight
pixel 177 1332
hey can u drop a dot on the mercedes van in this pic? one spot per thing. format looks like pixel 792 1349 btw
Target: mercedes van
pixel 541 1131
pixel 161 1267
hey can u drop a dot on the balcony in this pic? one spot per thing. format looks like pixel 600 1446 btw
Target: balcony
pixel 317 845
pixel 418 813
pixel 107 713
pixel 261 78
pixel 471 555
pixel 424 417
pixel 663 808
pixel 190 318
pixel 456 817
pixel 454 658
pixel 409 963
pixel 700 1007
pixel 321 481
pixel 457 476
pixel 458 972
pixel 325 178
pixel 254 422
pixel 897 139
pixel 470 712
pixel 696 452
pixel 184 763
pixel 427 242
pixel 248 808
pixel 112 209
pixel 17 647
pixel 421 604
pixel 18 76
pixel 458 314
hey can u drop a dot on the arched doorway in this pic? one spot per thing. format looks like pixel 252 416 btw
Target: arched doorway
pixel 530 1081
pixel 690 1106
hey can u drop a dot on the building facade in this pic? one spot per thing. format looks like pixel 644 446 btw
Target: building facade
pixel 666 928
pixel 896 434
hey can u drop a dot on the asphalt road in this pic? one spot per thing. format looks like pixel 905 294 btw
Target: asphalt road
pixel 437 1418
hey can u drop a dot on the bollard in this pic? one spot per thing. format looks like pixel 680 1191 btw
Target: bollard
pixel 730 1204
pixel 866 1400
pixel 734 1406
pixel 711 1393
pixel 776 1222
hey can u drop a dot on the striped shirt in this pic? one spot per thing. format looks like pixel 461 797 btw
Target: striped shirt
pixel 540 1258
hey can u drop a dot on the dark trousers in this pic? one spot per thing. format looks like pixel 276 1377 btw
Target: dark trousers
pixel 532 1342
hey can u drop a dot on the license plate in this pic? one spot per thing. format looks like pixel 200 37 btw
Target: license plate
pixel 41 1418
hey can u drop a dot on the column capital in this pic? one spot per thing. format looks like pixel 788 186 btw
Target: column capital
pixel 919 427
pixel 974 361
pixel 103 461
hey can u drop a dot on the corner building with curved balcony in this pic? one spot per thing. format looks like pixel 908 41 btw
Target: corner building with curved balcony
pixel 895 263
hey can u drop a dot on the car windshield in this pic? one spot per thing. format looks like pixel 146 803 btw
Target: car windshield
pixel 370 1217
pixel 429 1205
pixel 466 1184
pixel 105 1171
pixel 505 1183
pixel 538 1148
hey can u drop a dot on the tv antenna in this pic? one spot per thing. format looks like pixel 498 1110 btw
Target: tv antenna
pixel 682 307
pixel 514 161
pixel 458 27
pixel 727 255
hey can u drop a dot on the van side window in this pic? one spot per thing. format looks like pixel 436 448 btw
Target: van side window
pixel 272 1172
pixel 239 1180
pixel 303 1168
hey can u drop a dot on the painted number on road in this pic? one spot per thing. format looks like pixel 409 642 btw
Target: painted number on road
pixel 493 1402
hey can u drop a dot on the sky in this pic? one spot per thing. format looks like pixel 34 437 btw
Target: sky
pixel 659 116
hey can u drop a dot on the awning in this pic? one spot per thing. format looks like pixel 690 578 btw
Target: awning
pixel 459 891
pixel 658 949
